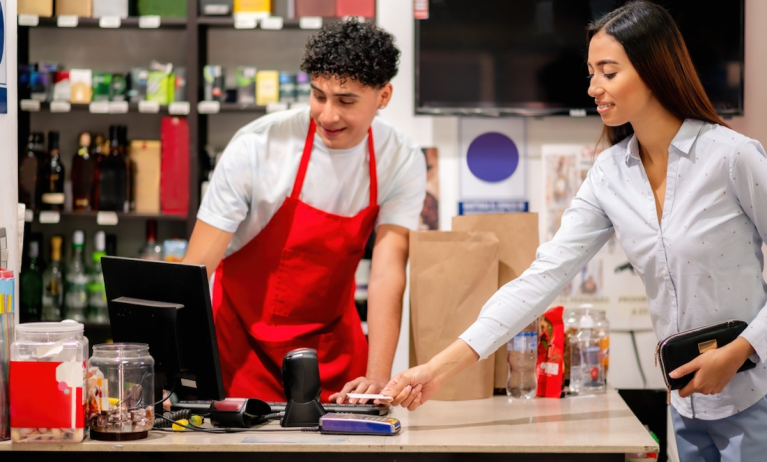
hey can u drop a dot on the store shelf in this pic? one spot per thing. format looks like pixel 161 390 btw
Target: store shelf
pixel 74 107
pixel 125 23
pixel 228 22
pixel 103 219
pixel 237 107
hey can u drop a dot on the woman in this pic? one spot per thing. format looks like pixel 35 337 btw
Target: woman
pixel 684 194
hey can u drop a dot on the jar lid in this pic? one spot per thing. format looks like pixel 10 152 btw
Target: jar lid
pixel 50 327
pixel 587 322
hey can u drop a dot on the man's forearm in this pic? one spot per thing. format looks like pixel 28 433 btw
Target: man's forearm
pixel 384 319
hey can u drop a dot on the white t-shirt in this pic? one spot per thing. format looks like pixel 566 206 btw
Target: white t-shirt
pixel 259 167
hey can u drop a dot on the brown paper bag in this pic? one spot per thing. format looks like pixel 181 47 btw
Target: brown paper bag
pixel 451 277
pixel 517 235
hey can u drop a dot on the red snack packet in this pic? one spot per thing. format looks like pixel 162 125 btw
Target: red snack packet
pixel 549 372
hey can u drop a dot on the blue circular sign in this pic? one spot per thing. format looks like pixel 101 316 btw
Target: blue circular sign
pixel 493 157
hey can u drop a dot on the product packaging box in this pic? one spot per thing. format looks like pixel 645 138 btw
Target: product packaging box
pixel 160 87
pixel 216 7
pixel 303 87
pixel 81 8
pixel 117 8
pixel 284 8
pixel 62 87
pixel 213 89
pixel 452 275
pixel 174 173
pixel 42 8
pixel 324 8
pixel 119 88
pixel 102 86
pixel 364 8
pixel 146 159
pixel 179 87
pixel 137 85
pixel 287 87
pixel 41 85
pixel 267 87
pixel 163 8
pixel 261 8
pixel 246 85
pixel 517 235
pixel 81 81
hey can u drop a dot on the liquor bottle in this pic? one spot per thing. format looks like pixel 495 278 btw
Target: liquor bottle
pixel 30 170
pixel 97 154
pixel 113 185
pixel 53 186
pixel 77 281
pixel 83 171
pixel 111 245
pixel 31 286
pixel 122 133
pixel 151 249
pixel 53 284
pixel 97 297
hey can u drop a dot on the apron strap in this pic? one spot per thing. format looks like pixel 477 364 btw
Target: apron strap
pixel 309 145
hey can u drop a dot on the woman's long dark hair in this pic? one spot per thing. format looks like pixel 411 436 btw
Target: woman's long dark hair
pixel 657 51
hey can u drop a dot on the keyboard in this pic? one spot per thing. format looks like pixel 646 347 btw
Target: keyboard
pixel 203 407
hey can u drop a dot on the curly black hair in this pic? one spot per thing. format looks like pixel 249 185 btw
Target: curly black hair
pixel 355 50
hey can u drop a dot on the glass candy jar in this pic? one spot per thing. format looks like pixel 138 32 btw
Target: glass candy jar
pixel 120 397
pixel 46 382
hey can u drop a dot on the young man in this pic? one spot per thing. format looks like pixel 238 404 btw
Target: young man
pixel 290 208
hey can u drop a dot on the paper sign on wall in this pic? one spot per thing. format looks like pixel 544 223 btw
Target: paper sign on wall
pixel 493 166
pixel 3 62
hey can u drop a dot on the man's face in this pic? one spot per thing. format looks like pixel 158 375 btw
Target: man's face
pixel 343 113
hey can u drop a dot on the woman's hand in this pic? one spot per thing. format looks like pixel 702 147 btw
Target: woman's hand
pixel 714 369
pixel 414 387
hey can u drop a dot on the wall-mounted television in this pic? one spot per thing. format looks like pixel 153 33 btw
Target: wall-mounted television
pixel 528 57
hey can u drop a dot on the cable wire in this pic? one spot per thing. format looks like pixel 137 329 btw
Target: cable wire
pixel 193 427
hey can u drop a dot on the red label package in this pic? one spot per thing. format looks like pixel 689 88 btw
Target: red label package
pixel 551 347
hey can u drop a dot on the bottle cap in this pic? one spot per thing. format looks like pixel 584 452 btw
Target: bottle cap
pixel 587 322
pixel 34 249
pixel 100 241
pixel 78 238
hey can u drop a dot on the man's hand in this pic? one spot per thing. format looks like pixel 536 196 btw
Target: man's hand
pixel 714 369
pixel 359 385
pixel 413 387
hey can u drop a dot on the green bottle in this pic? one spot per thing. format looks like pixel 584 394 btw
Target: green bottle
pixel 31 286
pixel 97 297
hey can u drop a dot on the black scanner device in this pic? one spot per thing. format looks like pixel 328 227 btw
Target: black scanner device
pixel 301 382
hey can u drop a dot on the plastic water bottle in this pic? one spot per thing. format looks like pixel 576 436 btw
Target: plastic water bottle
pixel 587 372
pixel 522 356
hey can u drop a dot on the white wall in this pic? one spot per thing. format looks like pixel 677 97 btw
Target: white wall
pixel 8 149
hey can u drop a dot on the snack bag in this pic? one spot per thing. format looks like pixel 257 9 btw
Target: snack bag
pixel 551 346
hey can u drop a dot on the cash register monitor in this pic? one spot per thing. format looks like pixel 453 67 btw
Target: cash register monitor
pixel 167 306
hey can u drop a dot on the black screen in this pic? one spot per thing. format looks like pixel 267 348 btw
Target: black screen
pixel 529 56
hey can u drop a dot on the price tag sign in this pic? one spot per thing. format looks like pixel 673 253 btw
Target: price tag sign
pixel 107 218
pixel 216 10
pixel 110 22
pixel 149 22
pixel 179 108
pixel 209 107
pixel 61 106
pixel 30 105
pixel 310 22
pixel 272 23
pixel 67 20
pixel 99 107
pixel 29 215
pixel 31 20
pixel 148 107
pixel 276 107
pixel 246 22
pixel 48 217
pixel 118 107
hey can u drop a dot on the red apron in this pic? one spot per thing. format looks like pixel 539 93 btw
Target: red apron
pixel 291 287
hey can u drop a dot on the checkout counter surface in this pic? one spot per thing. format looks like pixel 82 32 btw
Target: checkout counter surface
pixel 593 428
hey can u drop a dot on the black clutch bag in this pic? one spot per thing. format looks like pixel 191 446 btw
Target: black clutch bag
pixel 679 349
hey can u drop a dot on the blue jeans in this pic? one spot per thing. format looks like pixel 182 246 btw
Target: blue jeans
pixel 738 438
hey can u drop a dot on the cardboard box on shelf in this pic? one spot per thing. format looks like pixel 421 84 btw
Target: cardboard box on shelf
pixel 160 87
pixel 102 86
pixel 364 8
pixel 42 8
pixel 284 8
pixel 81 8
pixel 267 87
pixel 323 8
pixel 117 8
pixel 137 84
pixel 163 8
pixel 246 85
pixel 213 89
pixel 260 7
pixel 146 158
pixel 80 81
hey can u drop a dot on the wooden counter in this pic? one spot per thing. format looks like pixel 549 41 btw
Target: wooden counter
pixel 593 428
